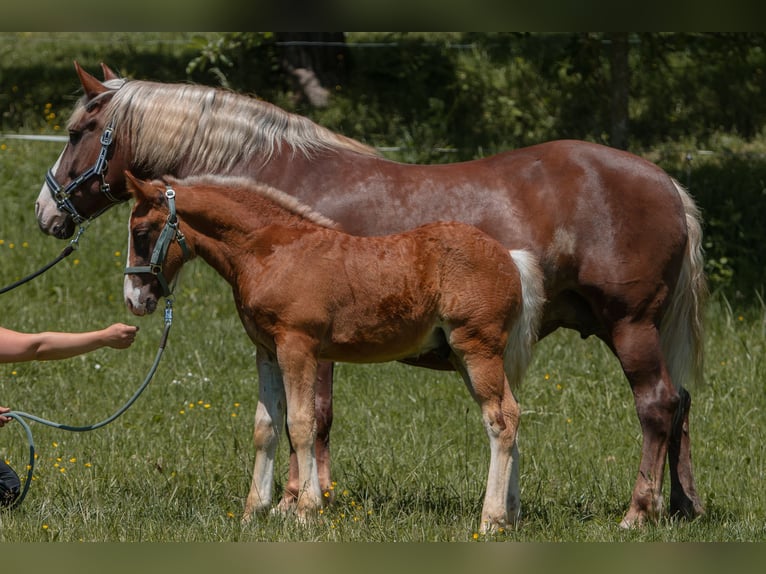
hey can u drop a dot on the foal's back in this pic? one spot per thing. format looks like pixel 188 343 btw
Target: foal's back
pixel 384 298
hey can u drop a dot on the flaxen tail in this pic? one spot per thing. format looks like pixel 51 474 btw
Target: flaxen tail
pixel 523 335
pixel 681 331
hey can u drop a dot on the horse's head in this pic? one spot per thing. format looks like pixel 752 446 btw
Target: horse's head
pixel 79 186
pixel 156 248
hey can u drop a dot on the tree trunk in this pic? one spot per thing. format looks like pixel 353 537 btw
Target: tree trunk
pixel 620 71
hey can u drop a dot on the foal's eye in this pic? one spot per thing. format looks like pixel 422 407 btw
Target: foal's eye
pixel 141 243
pixel 74 137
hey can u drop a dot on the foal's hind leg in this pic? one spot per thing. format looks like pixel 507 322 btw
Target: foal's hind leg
pixel 500 412
pixel 324 416
pixel 637 346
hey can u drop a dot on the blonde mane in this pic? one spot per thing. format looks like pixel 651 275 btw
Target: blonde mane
pixel 282 199
pixel 211 128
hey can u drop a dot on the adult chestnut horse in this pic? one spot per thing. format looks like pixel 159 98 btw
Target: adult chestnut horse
pixel 442 286
pixel 618 239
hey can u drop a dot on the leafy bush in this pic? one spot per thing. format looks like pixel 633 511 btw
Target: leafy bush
pixel 443 97
pixel 729 185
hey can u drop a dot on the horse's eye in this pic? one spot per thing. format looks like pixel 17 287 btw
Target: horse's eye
pixel 74 137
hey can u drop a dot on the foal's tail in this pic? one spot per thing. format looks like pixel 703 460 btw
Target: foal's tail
pixel 681 330
pixel 523 334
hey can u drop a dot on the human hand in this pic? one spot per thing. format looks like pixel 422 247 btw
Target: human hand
pixel 120 336
pixel 3 419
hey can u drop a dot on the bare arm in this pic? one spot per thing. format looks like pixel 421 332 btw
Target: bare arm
pixel 3 419
pixel 46 346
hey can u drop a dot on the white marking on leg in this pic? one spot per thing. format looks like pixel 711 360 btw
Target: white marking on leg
pixel 494 513
pixel 269 419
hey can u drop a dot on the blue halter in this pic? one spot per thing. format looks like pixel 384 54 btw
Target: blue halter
pixel 62 195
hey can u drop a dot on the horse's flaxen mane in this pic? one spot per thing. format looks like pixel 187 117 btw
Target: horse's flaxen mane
pixel 213 128
pixel 282 199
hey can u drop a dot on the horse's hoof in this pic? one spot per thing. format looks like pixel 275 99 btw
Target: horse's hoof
pixel 685 507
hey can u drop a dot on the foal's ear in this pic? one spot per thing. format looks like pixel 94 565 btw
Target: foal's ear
pixel 138 188
pixel 90 85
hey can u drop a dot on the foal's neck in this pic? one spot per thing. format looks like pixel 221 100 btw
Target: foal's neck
pixel 227 226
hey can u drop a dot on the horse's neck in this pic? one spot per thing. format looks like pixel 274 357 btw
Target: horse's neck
pixel 328 173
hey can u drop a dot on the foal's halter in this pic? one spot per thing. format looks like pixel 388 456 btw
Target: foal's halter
pixel 62 195
pixel 169 233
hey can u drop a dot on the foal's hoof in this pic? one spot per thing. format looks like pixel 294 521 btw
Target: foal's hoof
pixel 635 519
pixel 495 526
pixel 286 506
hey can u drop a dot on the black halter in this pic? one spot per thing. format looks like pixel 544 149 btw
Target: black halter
pixel 62 196
pixel 169 233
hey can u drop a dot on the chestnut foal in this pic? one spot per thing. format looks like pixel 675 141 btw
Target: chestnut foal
pixel 444 286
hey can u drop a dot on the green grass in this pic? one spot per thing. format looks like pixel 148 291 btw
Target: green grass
pixel 410 456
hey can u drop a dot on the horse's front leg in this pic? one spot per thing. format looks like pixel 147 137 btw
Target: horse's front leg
pixel 296 354
pixel 269 418
pixel 324 415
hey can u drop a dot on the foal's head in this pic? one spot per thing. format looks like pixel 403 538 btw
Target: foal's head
pixel 156 248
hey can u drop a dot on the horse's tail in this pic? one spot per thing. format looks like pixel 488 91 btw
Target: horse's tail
pixel 523 334
pixel 681 330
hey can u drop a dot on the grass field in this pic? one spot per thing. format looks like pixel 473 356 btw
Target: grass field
pixel 410 456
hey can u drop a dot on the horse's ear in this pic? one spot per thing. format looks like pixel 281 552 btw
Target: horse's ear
pixel 108 73
pixel 90 85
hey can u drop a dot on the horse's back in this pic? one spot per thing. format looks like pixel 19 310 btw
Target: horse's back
pixel 520 197
pixel 609 228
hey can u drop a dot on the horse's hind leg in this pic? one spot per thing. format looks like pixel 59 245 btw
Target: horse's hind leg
pixel 684 500
pixel 637 346
pixel 324 416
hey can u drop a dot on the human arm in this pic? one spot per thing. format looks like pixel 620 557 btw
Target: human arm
pixel 51 345
pixel 3 419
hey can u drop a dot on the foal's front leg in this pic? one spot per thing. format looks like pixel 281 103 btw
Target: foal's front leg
pixel 324 415
pixel 269 418
pixel 296 354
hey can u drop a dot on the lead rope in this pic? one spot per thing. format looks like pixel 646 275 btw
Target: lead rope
pixel 73 245
pixel 20 416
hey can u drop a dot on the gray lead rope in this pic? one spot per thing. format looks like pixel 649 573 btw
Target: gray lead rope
pixel 20 416
pixel 73 245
